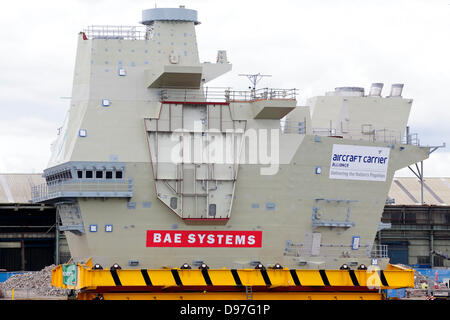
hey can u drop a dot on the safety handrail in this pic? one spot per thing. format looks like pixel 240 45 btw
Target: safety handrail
pixel 226 95
pixel 58 189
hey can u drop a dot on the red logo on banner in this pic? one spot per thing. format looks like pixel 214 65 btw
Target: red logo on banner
pixel 196 238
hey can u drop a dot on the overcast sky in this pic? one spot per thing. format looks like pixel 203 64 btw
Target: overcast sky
pixel 313 46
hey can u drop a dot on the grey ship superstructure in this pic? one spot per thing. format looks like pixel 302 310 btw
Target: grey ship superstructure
pixel 138 176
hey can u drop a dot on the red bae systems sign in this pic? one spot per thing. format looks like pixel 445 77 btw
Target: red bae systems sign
pixel 195 238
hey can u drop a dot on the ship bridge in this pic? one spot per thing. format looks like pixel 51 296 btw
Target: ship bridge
pixel 199 185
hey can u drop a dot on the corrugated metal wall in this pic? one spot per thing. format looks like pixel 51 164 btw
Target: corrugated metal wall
pixel 10 259
pixel 38 254
pixel 397 251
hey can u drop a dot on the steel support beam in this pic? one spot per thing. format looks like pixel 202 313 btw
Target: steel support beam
pixel 419 175
pixel 56 237
pixel 205 295
pixel 431 248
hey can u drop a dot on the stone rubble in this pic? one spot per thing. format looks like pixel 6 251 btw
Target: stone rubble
pixel 38 283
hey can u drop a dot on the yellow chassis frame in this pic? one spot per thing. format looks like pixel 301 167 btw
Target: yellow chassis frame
pixel 234 296
pixel 225 284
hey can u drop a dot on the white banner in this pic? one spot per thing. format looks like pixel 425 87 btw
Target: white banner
pixel 359 162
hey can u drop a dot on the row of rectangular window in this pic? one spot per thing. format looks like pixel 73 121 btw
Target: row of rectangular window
pixel 438 261
pixel 88 174
pixel 100 174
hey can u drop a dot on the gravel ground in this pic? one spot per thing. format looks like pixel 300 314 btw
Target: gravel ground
pixel 33 284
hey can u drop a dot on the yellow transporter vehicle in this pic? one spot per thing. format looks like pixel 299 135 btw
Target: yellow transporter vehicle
pixel 225 284
pixel 168 189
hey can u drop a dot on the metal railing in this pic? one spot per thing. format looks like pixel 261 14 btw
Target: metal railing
pixel 193 95
pixel 379 251
pixel 380 135
pixel 338 251
pixel 75 189
pixel 115 32
pixel 261 94
pixel 225 95
pixel 412 139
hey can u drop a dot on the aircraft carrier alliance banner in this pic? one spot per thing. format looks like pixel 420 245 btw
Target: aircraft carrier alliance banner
pixel 352 162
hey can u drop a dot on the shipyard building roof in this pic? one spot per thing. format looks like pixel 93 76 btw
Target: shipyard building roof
pixel 16 188
pixel 407 191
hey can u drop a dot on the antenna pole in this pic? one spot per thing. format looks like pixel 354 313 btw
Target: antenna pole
pixel 254 79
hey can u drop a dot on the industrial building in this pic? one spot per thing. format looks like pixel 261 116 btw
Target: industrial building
pixel 28 238
pixel 416 234
pixel 419 234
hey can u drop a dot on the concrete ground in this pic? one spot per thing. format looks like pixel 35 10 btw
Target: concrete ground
pixel 27 294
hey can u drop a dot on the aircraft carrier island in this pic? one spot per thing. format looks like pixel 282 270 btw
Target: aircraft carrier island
pixel 162 181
